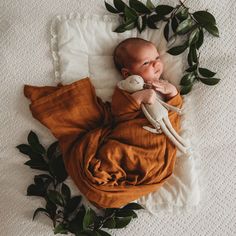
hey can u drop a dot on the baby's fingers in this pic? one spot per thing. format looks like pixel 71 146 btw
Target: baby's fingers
pixel 160 89
pixel 160 82
pixel 159 86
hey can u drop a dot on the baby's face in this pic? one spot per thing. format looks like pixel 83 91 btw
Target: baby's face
pixel 146 63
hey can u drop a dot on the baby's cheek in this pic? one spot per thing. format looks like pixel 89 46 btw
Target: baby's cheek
pixel 161 67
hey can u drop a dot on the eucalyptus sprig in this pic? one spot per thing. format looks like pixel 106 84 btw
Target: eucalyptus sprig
pixel 180 22
pixel 67 212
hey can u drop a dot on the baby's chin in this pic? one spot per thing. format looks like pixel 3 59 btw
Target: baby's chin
pixel 157 75
pixel 155 78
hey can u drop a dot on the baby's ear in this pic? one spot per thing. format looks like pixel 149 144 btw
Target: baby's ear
pixel 125 72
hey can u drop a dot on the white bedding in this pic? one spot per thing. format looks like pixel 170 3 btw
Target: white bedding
pixel 82 46
pixel 25 58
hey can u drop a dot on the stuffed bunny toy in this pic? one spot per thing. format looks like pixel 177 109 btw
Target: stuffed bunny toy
pixel 156 113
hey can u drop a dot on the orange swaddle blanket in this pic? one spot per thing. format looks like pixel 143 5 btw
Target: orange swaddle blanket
pixel 106 151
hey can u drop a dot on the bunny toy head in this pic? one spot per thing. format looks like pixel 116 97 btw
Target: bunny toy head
pixel 132 83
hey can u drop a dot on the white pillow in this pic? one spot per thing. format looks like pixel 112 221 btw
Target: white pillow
pixel 83 46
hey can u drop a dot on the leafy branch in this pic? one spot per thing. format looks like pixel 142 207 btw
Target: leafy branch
pixel 67 212
pixel 180 22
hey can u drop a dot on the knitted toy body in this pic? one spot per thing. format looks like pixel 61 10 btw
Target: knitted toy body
pixel 156 113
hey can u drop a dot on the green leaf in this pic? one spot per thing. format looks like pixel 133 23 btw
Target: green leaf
pixel 182 14
pixel 133 206
pixel 39 188
pixel 204 18
pixel 56 197
pixel 193 38
pixel 52 150
pixel 185 26
pixel 37 164
pixel 25 149
pixel 65 191
pixel 40 210
pixel 110 8
pixel 141 23
pixel 200 39
pixel 122 222
pixel 34 190
pixel 205 72
pixel 32 138
pixel 110 223
pixel 130 14
pixel 209 81
pixel 38 180
pixel 152 20
pixel 174 24
pixel 177 50
pixel 57 168
pixel 88 218
pixel 163 10
pixel 150 5
pixel 76 224
pixel 119 5
pixel 192 68
pixel 73 204
pixel 44 176
pixel 193 52
pixel 186 89
pixel 139 7
pixel 187 79
pixel 129 25
pixel 34 143
pixel 190 58
pixel 51 208
pixel 43 180
pixel 126 213
pixel 60 229
pixel 95 233
pixel 166 31
pixel 110 211
pixel 87 233
pixel 212 29
pixel 126 26
pixel 103 233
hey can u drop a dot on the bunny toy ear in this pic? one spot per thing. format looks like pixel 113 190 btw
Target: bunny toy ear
pixel 121 84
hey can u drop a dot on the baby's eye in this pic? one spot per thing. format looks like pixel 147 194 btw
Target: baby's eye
pixel 146 63
pixel 157 58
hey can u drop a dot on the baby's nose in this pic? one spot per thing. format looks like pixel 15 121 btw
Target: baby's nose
pixel 156 63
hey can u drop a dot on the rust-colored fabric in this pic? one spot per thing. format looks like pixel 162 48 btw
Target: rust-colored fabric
pixel 107 153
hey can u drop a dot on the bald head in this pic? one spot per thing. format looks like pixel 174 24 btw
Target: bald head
pixel 125 50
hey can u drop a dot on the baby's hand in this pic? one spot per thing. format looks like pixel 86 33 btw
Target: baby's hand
pixel 165 88
pixel 146 96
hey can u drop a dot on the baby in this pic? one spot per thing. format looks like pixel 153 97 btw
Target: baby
pixel 136 56
pixel 106 151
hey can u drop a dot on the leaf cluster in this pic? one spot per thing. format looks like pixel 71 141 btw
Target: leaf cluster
pixel 180 22
pixel 67 212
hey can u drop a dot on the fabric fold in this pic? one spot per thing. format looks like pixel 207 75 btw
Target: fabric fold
pixel 107 153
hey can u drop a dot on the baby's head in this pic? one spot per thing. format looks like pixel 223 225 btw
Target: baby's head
pixel 136 56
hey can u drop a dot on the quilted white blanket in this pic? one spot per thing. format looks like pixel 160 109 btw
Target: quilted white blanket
pixel 26 59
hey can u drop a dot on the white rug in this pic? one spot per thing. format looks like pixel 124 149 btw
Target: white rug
pixel 25 58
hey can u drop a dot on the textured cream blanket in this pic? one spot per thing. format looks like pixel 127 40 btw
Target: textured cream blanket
pixel 26 59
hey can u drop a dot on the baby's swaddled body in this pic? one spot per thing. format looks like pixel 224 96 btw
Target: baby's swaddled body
pixel 112 163
pixel 156 113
